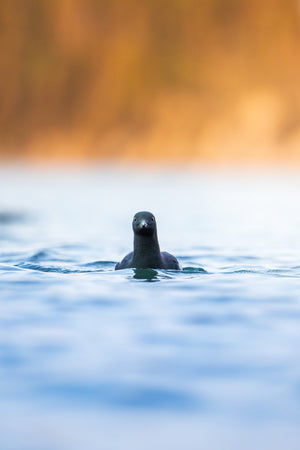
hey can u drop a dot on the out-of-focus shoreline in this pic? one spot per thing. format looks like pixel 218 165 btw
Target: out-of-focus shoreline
pixel 199 81
pixel 147 163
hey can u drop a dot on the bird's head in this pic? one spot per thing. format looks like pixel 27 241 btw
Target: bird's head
pixel 144 223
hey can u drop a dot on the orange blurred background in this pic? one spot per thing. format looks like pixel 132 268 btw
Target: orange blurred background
pixel 161 80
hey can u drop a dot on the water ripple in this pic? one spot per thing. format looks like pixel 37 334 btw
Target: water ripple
pixel 218 340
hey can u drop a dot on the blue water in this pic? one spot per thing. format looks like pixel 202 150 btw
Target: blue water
pixel 206 358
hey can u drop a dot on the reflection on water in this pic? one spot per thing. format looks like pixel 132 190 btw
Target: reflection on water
pixel 206 357
pixel 145 274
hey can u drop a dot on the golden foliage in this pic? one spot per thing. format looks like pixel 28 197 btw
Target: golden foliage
pixel 158 79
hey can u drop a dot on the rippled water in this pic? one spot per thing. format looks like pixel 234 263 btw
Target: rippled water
pixel 204 358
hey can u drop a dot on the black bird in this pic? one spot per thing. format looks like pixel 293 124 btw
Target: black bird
pixel 146 252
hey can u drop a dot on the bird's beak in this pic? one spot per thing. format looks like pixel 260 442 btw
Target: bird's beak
pixel 143 224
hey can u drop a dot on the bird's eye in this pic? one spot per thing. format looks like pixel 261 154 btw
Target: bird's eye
pixel 134 220
pixel 152 219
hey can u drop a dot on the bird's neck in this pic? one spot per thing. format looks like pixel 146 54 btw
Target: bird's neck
pixel 146 252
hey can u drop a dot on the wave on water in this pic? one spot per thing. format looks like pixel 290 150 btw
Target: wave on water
pixel 121 395
pixel 68 261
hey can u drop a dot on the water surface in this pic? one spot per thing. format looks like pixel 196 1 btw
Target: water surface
pixel 208 357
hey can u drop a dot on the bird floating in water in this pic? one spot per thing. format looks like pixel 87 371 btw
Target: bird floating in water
pixel 146 252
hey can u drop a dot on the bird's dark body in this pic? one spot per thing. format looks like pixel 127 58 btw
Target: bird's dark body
pixel 168 261
pixel 146 252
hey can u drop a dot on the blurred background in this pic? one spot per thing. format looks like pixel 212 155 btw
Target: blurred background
pixel 159 80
